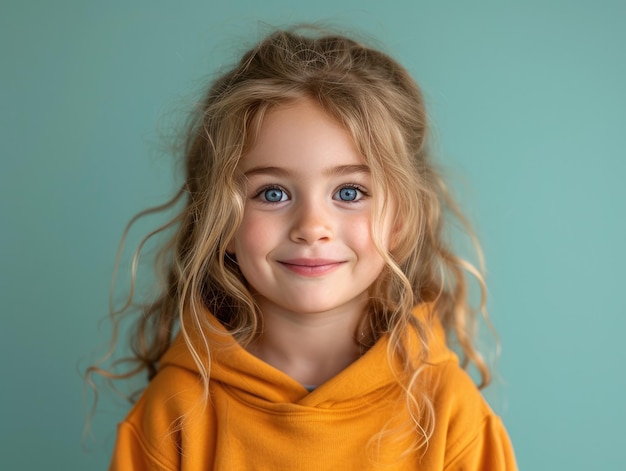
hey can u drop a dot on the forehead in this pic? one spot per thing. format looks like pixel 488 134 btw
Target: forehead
pixel 301 135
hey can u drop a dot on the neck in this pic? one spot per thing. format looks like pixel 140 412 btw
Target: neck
pixel 309 347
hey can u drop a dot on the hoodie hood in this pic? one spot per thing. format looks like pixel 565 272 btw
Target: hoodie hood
pixel 254 380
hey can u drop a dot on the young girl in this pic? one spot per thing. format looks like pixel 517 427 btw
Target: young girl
pixel 310 290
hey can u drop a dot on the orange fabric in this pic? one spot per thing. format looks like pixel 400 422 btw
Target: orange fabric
pixel 260 418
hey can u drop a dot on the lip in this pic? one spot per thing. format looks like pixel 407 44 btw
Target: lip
pixel 311 266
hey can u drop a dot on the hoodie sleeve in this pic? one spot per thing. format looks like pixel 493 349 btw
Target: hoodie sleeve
pixel 149 438
pixel 470 435
pixel 489 450
pixel 132 453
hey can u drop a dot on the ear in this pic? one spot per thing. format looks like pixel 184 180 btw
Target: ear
pixel 230 248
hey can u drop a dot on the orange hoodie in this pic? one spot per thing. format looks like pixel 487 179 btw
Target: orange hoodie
pixel 258 418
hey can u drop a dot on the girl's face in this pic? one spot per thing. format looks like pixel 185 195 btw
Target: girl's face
pixel 305 244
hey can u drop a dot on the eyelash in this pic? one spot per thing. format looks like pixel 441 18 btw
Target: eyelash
pixel 259 194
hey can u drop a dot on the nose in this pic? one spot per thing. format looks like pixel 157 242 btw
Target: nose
pixel 311 223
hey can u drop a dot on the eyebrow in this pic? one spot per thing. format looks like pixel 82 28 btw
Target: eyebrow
pixel 339 170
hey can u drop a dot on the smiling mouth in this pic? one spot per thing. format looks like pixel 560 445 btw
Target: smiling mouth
pixel 311 267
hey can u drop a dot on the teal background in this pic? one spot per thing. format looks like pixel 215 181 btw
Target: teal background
pixel 528 104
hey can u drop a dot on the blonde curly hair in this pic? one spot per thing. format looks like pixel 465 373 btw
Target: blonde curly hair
pixel 382 108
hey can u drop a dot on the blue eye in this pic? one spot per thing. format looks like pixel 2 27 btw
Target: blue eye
pixel 348 194
pixel 273 195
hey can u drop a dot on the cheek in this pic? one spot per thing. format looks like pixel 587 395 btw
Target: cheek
pixel 360 236
pixel 252 236
pixel 362 241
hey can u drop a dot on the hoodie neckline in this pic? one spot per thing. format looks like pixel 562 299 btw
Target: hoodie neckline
pixel 250 377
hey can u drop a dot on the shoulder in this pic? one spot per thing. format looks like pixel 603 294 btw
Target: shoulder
pixel 467 431
pixel 149 436
pixel 169 396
